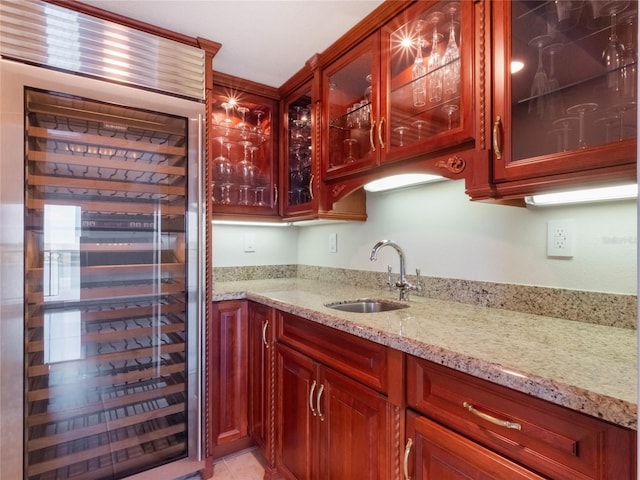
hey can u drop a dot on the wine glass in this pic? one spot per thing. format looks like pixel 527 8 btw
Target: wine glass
pixel 449 109
pixel 221 164
pixel 581 109
pixel 257 130
pixel 540 85
pixel 451 58
pixel 401 130
pixel 629 72
pixel 555 99
pixel 350 157
pixel 245 168
pixel 227 122
pixel 620 111
pixel 420 124
pixel 613 54
pixel 564 123
pixel 419 70
pixel 435 59
pixel 242 125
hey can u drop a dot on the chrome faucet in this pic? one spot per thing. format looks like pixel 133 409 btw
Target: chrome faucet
pixel 403 285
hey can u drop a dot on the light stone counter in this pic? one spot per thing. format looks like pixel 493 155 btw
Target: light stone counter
pixel 586 367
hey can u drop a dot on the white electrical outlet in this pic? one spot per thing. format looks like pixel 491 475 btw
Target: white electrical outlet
pixel 333 242
pixel 249 242
pixel 560 238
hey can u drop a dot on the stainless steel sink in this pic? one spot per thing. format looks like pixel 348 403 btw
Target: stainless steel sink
pixel 366 305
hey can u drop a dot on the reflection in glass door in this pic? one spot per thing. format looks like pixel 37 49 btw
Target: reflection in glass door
pixel 105 288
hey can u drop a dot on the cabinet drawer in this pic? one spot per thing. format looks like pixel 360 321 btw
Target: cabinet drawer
pixel 551 439
pixel 358 358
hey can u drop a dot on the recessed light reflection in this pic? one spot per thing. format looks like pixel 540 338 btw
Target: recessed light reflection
pixel 516 66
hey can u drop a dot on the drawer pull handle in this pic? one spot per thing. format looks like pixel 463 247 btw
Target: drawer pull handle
pixel 320 390
pixel 313 387
pixel 405 465
pixel 264 334
pixel 380 139
pixel 494 420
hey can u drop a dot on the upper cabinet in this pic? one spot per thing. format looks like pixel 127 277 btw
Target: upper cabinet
pixel 569 115
pixel 243 160
pixel 402 93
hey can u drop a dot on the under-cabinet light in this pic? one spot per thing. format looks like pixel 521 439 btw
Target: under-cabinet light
pixel 618 192
pixel 400 181
pixel 240 223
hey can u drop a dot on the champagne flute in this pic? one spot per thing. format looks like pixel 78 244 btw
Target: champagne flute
pixel 540 85
pixel 419 71
pixel 350 142
pixel 435 59
pixel 451 58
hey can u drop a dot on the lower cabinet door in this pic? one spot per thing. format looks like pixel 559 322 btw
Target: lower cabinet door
pixel 434 452
pixel 296 374
pixel 353 419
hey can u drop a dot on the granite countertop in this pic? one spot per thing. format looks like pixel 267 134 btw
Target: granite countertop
pixel 586 367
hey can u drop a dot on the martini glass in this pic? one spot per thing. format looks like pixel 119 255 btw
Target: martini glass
pixel 420 125
pixel 564 123
pixel 581 109
pixel 620 111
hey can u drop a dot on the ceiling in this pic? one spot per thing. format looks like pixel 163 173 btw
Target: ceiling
pixel 266 41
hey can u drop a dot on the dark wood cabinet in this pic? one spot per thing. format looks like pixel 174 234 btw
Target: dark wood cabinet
pixel 243 157
pixel 229 379
pixel 549 439
pixel 331 425
pixel 402 99
pixel 261 379
pixel 434 452
pixel 566 119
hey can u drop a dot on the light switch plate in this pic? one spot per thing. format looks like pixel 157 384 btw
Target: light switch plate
pixel 249 242
pixel 333 242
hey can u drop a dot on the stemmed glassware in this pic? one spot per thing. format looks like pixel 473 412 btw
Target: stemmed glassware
pixel 613 54
pixel 555 100
pixel 435 59
pixel 451 58
pixel 222 171
pixel 246 173
pixel 257 130
pixel 243 126
pixel 350 158
pixel 540 86
pixel 449 109
pixel 581 109
pixel 227 121
pixel 630 60
pixel 419 70
pixel 420 124
pixel 563 123
pixel 401 130
pixel 620 111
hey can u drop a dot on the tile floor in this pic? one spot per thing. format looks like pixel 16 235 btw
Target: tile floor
pixel 244 465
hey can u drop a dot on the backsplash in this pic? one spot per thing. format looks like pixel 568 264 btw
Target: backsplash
pixel 614 310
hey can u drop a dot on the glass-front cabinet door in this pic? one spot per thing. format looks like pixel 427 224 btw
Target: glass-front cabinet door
pixel 404 92
pixel 297 152
pixel 243 157
pixel 565 86
pixel 427 76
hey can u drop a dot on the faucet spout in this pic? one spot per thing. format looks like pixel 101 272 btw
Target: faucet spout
pixel 391 243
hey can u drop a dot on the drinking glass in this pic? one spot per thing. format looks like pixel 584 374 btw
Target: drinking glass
pixel 227 122
pixel 350 157
pixel 581 109
pixel 555 99
pixel 629 72
pixel 435 59
pixel 401 131
pixel 451 58
pixel 564 123
pixel 449 109
pixel 620 111
pixel 540 85
pixel 613 54
pixel 420 125
pixel 243 126
pixel 221 164
pixel 419 70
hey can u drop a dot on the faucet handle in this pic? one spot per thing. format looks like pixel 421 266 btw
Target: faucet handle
pixel 389 283
pixel 419 282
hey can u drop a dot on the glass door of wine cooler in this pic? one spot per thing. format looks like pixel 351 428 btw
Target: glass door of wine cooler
pixel 105 314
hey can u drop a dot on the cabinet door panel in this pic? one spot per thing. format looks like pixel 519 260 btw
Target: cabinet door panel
pixel 229 416
pixel 296 375
pixel 440 454
pixel 353 422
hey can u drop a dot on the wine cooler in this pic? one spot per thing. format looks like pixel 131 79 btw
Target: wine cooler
pixel 101 287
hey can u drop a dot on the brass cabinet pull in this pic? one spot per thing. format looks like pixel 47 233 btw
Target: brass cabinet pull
pixel 405 465
pixel 489 418
pixel 313 387
pixel 264 334
pixel 320 390
pixel 311 187
pixel 380 139
pixel 371 130
pixel 496 137
pixel 275 190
